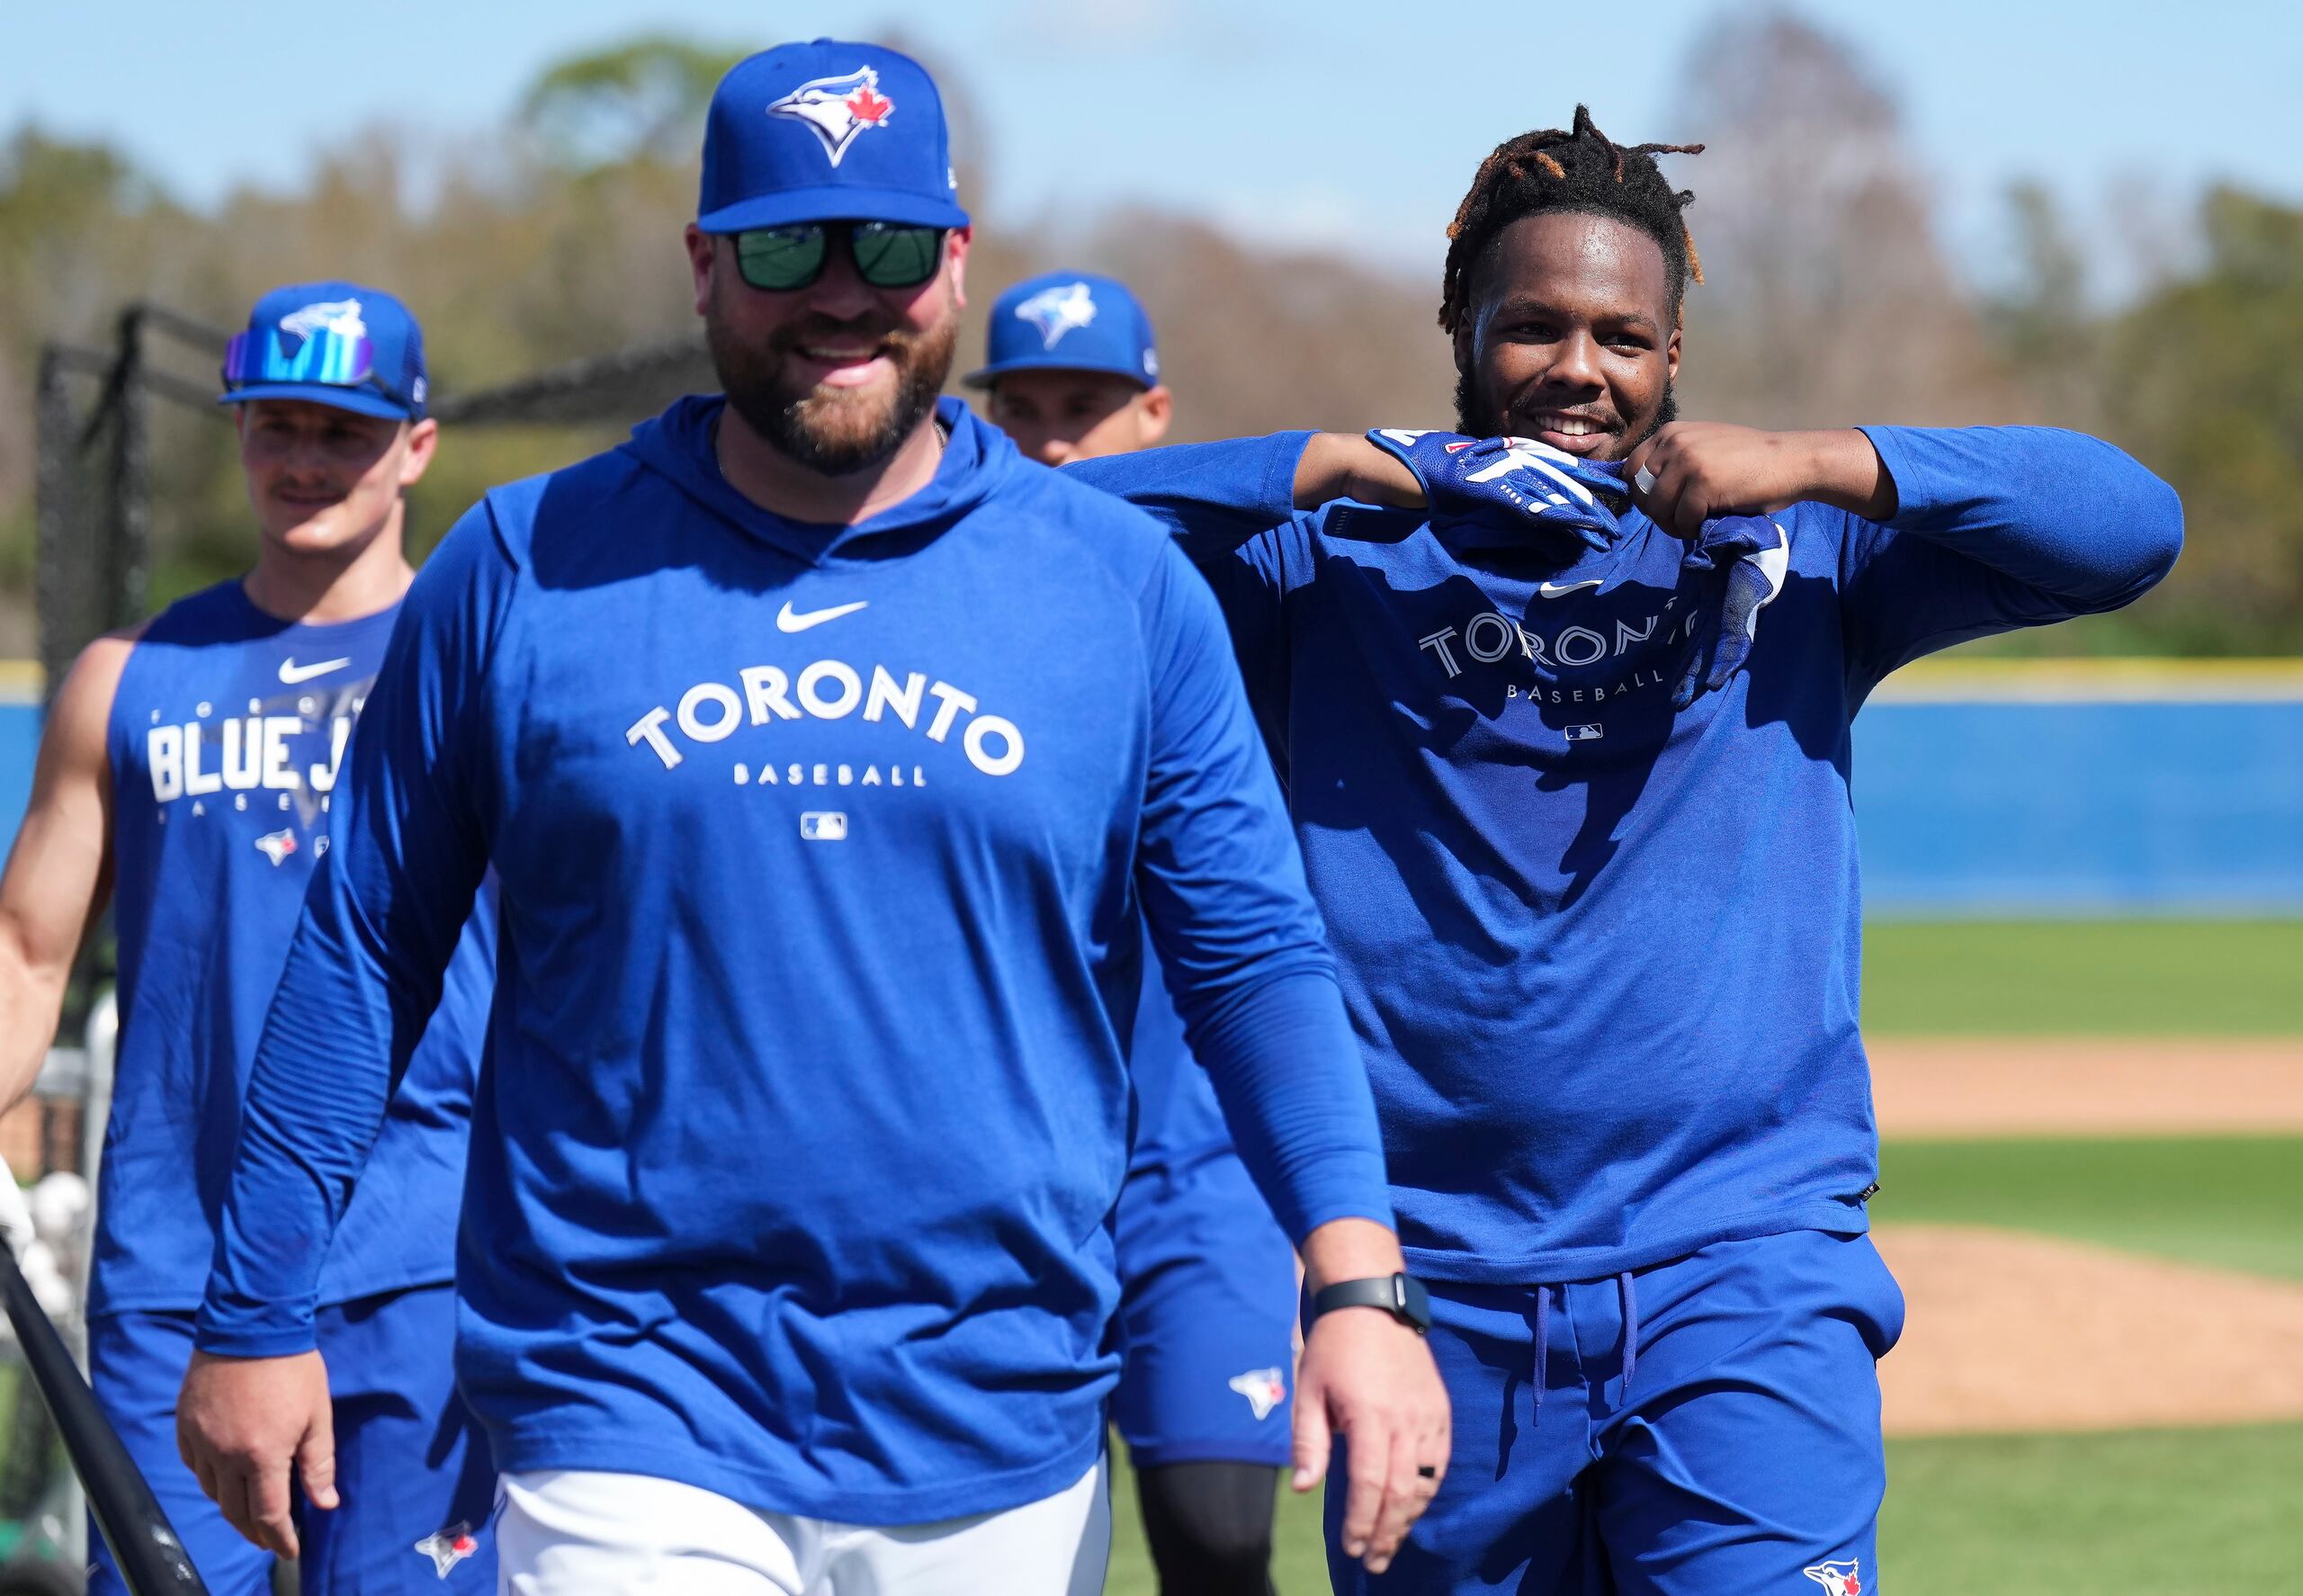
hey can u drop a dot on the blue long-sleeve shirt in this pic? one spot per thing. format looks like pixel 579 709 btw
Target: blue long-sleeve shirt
pixel 822 855
pixel 1603 959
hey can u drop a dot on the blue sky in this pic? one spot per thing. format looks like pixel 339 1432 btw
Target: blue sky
pixel 1303 121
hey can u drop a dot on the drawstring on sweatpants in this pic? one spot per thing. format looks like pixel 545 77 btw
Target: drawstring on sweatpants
pixel 1629 1286
pixel 1542 1346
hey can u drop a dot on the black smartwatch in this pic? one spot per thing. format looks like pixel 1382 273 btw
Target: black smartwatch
pixel 1402 1297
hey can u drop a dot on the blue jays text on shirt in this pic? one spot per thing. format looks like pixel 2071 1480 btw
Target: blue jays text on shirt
pixel 291 747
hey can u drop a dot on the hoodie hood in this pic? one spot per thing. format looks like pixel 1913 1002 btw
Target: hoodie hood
pixel 677 445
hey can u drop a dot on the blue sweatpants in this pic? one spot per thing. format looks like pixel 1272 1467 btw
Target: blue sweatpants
pixel 1708 1427
pixel 412 1468
pixel 1207 1318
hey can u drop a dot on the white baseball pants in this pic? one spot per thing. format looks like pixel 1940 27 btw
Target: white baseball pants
pixel 570 1532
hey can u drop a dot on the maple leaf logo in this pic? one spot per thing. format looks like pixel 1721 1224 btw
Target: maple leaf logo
pixel 868 107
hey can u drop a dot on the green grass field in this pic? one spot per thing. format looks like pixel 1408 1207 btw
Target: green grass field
pixel 2233 1201
pixel 2088 978
pixel 2148 1513
pixel 2175 1512
pixel 2156 1513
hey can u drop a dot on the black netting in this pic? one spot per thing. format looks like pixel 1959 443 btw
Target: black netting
pixel 105 417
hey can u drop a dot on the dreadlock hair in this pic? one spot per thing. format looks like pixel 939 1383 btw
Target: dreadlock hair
pixel 1579 169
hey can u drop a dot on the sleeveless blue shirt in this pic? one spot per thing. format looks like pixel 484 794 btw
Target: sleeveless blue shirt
pixel 227 735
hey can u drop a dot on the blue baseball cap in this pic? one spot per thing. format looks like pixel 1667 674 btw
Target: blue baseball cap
pixel 1069 321
pixel 827 131
pixel 338 343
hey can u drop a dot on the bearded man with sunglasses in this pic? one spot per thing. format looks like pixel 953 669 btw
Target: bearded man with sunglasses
pixel 826 751
pixel 187 771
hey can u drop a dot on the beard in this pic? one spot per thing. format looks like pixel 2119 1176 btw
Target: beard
pixel 1477 419
pixel 837 432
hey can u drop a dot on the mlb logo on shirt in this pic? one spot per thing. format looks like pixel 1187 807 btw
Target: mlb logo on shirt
pixel 824 825
pixel 1586 734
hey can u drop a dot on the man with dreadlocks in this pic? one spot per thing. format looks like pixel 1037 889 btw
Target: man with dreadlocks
pixel 1582 838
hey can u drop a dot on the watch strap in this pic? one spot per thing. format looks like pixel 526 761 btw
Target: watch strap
pixel 1403 1296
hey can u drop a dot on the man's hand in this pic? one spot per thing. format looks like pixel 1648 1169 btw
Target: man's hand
pixel 1370 1379
pixel 243 1424
pixel 1694 471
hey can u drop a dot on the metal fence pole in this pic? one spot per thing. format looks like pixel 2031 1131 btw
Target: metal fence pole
pixel 132 480
pixel 56 444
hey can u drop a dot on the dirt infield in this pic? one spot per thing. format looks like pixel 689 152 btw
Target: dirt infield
pixel 2009 1331
pixel 2026 1087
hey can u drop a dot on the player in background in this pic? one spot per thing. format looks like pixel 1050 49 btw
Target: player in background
pixel 1071 370
pixel 1207 1280
pixel 186 774
pixel 1584 840
pixel 825 751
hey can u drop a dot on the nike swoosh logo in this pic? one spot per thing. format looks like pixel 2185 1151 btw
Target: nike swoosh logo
pixel 1560 589
pixel 788 619
pixel 291 673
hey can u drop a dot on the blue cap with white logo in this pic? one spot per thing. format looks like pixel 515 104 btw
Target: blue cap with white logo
pixel 1069 321
pixel 337 343
pixel 827 131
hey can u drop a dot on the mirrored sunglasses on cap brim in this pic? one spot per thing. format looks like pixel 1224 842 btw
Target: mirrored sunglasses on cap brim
pixel 329 359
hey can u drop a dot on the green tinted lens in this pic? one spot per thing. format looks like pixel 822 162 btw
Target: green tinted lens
pixel 889 254
pixel 780 259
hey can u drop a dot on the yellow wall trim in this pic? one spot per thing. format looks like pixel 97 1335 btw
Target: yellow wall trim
pixel 2098 681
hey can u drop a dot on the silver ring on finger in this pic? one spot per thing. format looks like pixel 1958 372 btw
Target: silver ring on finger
pixel 1643 479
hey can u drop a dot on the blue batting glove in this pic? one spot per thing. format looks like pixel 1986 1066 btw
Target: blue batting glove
pixel 1756 556
pixel 1549 500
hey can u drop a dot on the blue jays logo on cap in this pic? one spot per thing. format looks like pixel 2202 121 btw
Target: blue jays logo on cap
pixel 1070 321
pixel 827 131
pixel 837 108
pixel 1057 311
pixel 336 344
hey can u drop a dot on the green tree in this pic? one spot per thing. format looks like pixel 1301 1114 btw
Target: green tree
pixel 2203 379
pixel 642 99
pixel 2041 320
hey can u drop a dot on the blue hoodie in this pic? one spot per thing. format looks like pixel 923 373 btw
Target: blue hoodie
pixel 1603 958
pixel 821 854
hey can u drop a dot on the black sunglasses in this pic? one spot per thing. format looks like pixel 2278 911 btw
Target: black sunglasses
pixel 887 253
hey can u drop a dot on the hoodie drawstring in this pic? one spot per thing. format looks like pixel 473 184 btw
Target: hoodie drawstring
pixel 1630 1329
